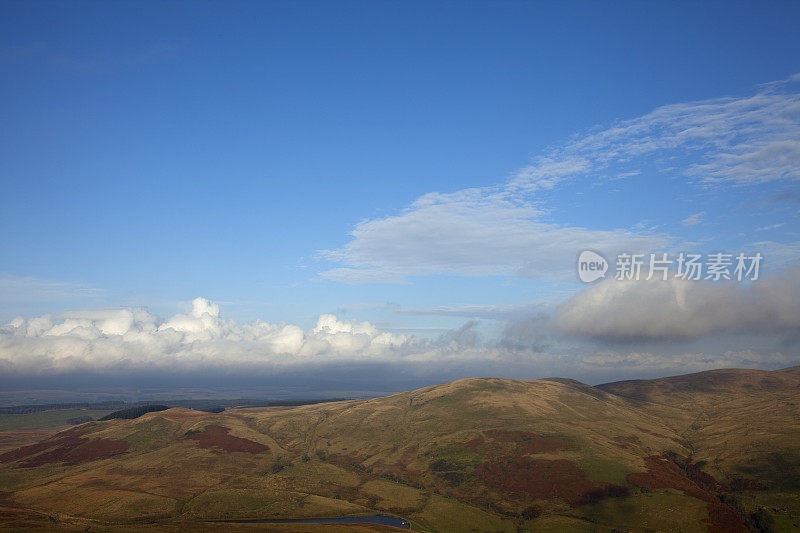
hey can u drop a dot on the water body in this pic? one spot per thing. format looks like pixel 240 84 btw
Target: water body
pixel 380 519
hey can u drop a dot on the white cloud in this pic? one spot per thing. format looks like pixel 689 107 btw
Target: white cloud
pixel 27 289
pixel 114 339
pixel 124 341
pixel 475 311
pixel 695 219
pixel 771 227
pixel 678 309
pixel 777 255
pixel 502 230
pixel 737 140
pixel 471 232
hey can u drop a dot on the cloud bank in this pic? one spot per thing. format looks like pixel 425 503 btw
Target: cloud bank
pixel 679 309
pixel 133 338
pixel 132 341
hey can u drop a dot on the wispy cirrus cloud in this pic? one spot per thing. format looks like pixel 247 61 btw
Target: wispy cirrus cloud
pixel 505 230
pixel 694 219
pixel 771 226
pixel 476 311
pixel 27 288
pixel 729 140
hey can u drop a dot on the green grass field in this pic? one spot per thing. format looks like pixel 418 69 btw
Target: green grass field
pixel 46 419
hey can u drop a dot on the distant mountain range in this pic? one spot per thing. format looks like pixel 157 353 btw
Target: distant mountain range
pixel 714 451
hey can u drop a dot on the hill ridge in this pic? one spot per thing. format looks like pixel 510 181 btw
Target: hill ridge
pixel 492 453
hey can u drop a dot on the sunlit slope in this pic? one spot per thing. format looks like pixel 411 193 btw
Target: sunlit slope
pixel 475 454
pixel 744 425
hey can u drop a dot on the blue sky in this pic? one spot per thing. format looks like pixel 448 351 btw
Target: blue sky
pixel 417 165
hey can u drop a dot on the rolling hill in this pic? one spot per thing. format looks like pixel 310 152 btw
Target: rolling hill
pixel 714 451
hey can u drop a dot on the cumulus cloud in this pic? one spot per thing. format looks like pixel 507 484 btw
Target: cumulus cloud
pixel 116 340
pixel 679 309
pixel 132 341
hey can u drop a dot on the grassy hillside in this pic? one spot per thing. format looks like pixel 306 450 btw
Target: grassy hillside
pixel 46 419
pixel 713 451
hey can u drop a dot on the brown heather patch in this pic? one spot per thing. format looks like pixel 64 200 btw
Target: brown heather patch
pixel 68 447
pixel 218 437
pixel 530 443
pixel 630 441
pixel 14 519
pixel 31 449
pixel 653 433
pixel 340 492
pixel 503 442
pixel 398 465
pixel 14 439
pixel 508 468
pixel 663 473
pixel 349 460
pixel 541 479
pixel 741 484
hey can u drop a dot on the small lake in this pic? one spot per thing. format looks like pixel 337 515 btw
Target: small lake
pixel 380 519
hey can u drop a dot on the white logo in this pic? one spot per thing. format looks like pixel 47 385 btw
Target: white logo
pixel 591 266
